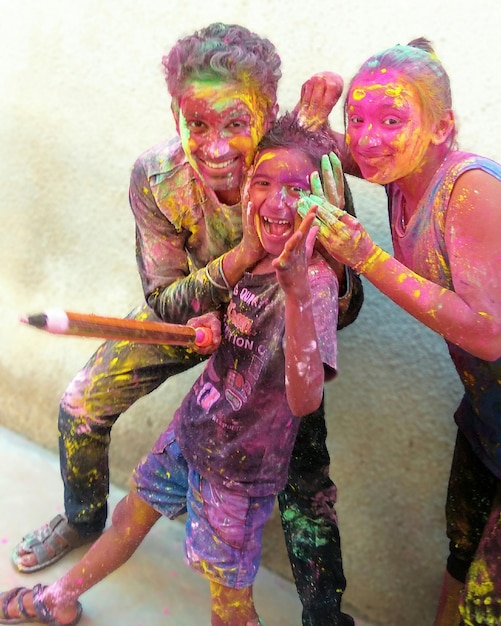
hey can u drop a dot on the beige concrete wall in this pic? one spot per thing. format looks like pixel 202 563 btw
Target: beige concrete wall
pixel 82 95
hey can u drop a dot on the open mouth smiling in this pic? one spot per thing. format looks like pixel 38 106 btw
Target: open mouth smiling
pixel 277 227
pixel 213 165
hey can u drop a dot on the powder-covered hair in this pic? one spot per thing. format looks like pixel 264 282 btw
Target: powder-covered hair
pixel 226 51
pixel 420 66
pixel 286 132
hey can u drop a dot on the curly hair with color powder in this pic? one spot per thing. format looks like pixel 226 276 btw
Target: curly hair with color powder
pixel 227 52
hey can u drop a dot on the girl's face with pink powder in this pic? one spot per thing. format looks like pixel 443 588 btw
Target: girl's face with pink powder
pixel 387 130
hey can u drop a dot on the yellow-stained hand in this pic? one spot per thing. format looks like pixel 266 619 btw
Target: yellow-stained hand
pixel 319 94
pixel 331 185
pixel 342 236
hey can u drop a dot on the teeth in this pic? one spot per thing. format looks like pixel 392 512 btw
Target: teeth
pixel 277 228
pixel 218 166
pixel 268 219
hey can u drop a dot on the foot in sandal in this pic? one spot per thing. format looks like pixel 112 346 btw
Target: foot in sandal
pixel 24 606
pixel 47 545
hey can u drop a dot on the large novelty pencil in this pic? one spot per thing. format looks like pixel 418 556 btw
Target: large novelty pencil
pixel 61 322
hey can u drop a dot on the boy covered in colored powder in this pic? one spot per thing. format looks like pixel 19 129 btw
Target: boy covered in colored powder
pixel 225 455
pixel 185 196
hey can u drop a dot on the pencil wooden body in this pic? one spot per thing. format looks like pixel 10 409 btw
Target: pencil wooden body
pixel 88 325
pixel 130 330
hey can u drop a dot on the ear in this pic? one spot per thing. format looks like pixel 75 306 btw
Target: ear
pixel 443 128
pixel 271 117
pixel 174 107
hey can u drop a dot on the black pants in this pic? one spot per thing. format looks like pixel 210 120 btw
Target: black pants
pixel 310 527
pixel 120 373
pixel 473 514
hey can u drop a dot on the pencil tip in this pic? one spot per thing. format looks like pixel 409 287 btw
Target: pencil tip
pixel 39 320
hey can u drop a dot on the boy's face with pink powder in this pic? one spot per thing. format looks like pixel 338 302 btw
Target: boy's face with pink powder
pixel 279 177
pixel 220 124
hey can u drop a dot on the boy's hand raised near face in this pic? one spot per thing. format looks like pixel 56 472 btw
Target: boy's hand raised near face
pixel 292 265
pixel 250 250
pixel 251 245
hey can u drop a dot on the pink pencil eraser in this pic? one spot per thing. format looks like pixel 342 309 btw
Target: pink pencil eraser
pixel 203 337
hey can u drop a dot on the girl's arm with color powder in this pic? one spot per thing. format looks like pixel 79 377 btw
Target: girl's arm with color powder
pixel 470 316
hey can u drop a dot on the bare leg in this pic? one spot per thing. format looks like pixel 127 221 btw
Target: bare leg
pixel 232 607
pixel 116 376
pixel 132 520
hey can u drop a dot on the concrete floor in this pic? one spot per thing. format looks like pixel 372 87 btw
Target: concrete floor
pixel 155 588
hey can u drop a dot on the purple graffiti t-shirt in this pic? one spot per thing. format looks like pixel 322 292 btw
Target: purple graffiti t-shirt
pixel 235 426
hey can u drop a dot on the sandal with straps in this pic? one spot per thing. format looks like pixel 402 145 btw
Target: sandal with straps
pixel 49 544
pixel 42 612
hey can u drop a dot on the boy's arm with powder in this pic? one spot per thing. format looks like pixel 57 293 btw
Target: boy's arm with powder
pixel 304 369
pixel 173 289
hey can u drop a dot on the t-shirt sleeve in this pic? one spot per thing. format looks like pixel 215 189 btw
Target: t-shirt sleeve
pixel 173 289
